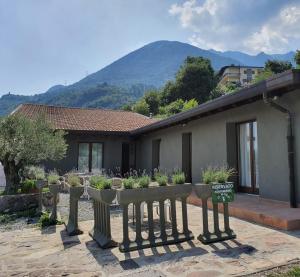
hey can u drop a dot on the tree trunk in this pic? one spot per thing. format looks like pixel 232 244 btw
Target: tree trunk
pixel 12 177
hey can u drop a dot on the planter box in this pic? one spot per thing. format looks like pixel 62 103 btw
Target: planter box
pixel 101 231
pixel 72 225
pixel 149 195
pixel 204 191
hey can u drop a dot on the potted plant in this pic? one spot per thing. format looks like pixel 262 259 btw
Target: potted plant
pixel 178 178
pixel 215 184
pixel 54 187
pixel 75 191
pixel 136 191
pixel 102 194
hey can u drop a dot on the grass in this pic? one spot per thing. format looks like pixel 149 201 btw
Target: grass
pixel 128 183
pixel 178 178
pixel 293 272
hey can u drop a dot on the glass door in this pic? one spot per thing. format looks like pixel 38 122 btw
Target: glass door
pixel 248 151
pixel 90 157
pixel 83 157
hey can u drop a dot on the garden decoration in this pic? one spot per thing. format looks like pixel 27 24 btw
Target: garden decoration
pixel 75 190
pixel 204 191
pixel 159 193
pixel 102 196
pixel 54 187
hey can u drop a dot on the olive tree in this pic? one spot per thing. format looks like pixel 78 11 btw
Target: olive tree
pixel 23 142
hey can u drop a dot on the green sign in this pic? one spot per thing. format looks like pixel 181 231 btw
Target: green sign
pixel 222 193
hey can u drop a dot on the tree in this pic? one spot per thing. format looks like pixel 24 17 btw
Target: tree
pixel 297 58
pixel 127 107
pixel 24 142
pixel 221 90
pixel 276 66
pixel 152 98
pixel 190 104
pixel 195 79
pixel 141 107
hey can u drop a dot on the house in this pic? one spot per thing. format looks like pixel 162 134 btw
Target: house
pixel 256 130
pixel 237 74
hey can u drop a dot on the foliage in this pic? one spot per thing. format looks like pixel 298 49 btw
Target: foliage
pixel 45 190
pixel 297 58
pixel 24 142
pixel 141 107
pixel 46 221
pixel 152 98
pixel 178 178
pixel 293 272
pixel 73 180
pixel 34 172
pixel 217 174
pixel 190 104
pixel 127 107
pixel 101 182
pixel 172 108
pixel 161 179
pixel 221 90
pixel 143 181
pixel 128 183
pixel 6 218
pixel 276 66
pixel 265 74
pixel 208 175
pixel 28 186
pixel 53 177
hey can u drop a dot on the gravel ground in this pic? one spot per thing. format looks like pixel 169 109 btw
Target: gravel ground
pixel 18 224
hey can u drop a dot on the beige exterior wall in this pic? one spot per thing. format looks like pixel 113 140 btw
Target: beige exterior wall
pixel 213 144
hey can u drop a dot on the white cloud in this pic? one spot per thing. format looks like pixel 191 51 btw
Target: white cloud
pixel 277 34
pixel 250 26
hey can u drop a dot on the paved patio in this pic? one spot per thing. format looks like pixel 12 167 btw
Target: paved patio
pixel 267 212
pixel 50 252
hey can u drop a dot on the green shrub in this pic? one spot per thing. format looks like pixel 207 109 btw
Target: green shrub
pixel 223 174
pixel 143 182
pixel 34 172
pixel 94 180
pixel 209 175
pixel 178 178
pixel 53 177
pixel 28 186
pixel 73 180
pixel 45 220
pixel 100 182
pixel 161 179
pixel 45 189
pixel 128 183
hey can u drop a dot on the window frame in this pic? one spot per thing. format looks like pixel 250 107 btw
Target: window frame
pixel 90 143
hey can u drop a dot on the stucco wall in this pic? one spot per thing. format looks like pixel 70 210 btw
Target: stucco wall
pixel 209 144
pixel 112 148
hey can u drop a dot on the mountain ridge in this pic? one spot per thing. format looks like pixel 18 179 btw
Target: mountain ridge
pixel 127 78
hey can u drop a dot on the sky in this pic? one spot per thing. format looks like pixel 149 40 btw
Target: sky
pixel 49 42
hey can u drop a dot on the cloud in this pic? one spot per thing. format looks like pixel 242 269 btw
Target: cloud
pixel 241 25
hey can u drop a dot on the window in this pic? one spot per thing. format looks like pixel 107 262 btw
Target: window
pixel 90 157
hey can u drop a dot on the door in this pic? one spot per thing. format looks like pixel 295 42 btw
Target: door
pixel 125 158
pixel 187 156
pixel 90 157
pixel 155 153
pixel 248 168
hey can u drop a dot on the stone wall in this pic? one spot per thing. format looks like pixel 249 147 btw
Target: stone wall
pixel 21 202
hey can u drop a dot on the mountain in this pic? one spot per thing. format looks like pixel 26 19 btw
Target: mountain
pixel 126 79
pixel 256 60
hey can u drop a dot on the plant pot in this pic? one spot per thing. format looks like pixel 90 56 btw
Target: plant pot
pixel 72 225
pixel 105 195
pixel 149 195
pixel 101 231
pixel 202 191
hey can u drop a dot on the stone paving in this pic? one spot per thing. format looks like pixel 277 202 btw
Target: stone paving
pixel 50 252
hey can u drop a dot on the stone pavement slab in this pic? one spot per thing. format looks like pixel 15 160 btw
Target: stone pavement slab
pixel 50 252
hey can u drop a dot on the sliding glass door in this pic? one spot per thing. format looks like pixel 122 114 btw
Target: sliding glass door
pixel 248 151
pixel 90 157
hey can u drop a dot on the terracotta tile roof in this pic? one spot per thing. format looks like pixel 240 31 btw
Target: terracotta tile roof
pixel 86 119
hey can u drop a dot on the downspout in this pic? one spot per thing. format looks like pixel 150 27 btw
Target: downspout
pixel 290 145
